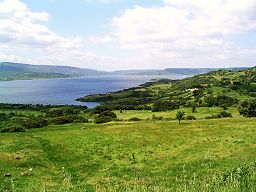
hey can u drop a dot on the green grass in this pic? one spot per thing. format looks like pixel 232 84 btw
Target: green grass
pixel 21 112
pixel 128 156
pixel 201 113
pixel 239 85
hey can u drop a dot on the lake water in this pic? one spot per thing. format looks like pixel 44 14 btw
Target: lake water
pixel 65 91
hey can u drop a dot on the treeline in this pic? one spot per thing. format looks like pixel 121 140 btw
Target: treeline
pixel 38 107
pixel 176 102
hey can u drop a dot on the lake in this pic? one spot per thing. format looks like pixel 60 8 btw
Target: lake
pixel 65 91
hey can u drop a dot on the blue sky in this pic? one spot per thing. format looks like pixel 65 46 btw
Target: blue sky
pixel 84 18
pixel 128 34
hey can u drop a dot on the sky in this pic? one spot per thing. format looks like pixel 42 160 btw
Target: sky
pixel 127 34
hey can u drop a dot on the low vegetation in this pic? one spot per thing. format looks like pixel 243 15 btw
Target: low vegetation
pixel 19 118
pixel 220 88
pixel 248 108
pixel 196 134
pixel 203 155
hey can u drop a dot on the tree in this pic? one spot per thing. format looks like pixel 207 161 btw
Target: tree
pixel 180 115
pixel 248 108
pixel 105 117
pixel 193 107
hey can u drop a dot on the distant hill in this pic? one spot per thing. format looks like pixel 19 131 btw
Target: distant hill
pixel 216 88
pixel 141 72
pixel 195 71
pixel 172 71
pixel 15 71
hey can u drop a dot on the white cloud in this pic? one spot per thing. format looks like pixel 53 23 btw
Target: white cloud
pixel 101 39
pixel 180 33
pixel 19 26
pixel 102 1
pixel 23 38
pixel 185 32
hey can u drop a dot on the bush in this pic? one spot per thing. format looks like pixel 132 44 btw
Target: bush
pixel 222 114
pixel 3 117
pixel 248 108
pixel 13 128
pixel 35 123
pixel 54 113
pixel 99 109
pixel 157 117
pixel 105 117
pixel 64 119
pixel 165 105
pixel 190 117
pixel 134 119
pixel 58 112
pixel 220 100
pixel 180 115
pixel 225 114
pixel 80 119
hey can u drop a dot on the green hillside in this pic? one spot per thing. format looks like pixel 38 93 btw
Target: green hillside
pixel 218 88
pixel 20 71
pixel 11 75
pixel 114 148
pixel 205 155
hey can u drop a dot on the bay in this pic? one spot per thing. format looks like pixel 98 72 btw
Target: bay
pixel 65 91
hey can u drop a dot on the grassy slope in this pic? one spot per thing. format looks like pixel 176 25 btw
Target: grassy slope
pixel 217 83
pixel 139 156
pixel 201 113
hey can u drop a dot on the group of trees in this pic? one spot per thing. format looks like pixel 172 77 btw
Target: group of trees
pixel 105 116
pixel 219 101
pixel 38 107
pixel 165 105
pixel 12 122
pixel 248 108
pixel 27 119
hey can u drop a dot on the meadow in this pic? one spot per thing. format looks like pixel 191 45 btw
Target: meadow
pixel 201 155
pixel 201 113
pixel 133 142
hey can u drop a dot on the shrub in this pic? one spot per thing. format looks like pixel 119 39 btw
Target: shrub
pixel 165 105
pixel 225 114
pixel 54 113
pixel 13 128
pixel 248 108
pixel 99 109
pixel 157 117
pixel 190 117
pixel 220 100
pixel 193 107
pixel 80 119
pixel 105 117
pixel 3 117
pixel 64 119
pixel 180 115
pixel 35 123
pixel 222 114
pixel 134 119
pixel 58 112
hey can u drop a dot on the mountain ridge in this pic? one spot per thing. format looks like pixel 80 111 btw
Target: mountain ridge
pixel 20 71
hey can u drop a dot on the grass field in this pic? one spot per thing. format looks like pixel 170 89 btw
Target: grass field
pixel 131 156
pixel 21 112
pixel 201 113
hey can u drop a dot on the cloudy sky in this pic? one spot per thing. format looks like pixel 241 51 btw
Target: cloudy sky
pixel 129 34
